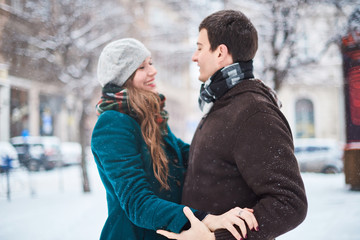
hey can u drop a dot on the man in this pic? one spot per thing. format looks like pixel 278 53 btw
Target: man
pixel 242 151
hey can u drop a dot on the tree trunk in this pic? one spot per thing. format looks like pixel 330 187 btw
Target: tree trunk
pixel 84 144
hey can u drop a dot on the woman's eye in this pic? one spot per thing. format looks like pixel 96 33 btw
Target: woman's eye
pixel 141 67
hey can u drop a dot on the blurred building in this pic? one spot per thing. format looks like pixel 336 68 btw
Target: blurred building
pixel 312 93
pixel 33 102
pixel 313 96
pixel 4 82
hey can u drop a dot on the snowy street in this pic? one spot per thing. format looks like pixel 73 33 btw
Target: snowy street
pixel 56 208
pixel 334 211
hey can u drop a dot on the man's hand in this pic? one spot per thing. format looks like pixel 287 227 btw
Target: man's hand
pixel 236 216
pixel 198 230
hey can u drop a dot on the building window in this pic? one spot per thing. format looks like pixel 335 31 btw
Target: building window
pixel 19 112
pixel 304 110
pixel 49 110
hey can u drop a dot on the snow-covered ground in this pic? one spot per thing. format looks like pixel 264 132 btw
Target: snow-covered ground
pixel 51 206
pixel 333 213
pixel 57 208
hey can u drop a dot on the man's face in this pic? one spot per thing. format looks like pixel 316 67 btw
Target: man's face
pixel 205 58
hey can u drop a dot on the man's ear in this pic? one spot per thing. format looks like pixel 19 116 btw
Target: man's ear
pixel 222 50
pixel 223 55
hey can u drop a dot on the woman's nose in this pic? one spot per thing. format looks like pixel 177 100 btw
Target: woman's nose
pixel 152 71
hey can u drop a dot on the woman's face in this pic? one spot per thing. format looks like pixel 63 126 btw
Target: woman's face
pixel 145 76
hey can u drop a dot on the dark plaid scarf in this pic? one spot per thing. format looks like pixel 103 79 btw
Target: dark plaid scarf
pixel 116 98
pixel 225 79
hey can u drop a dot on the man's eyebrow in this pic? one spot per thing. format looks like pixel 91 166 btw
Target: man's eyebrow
pixel 199 43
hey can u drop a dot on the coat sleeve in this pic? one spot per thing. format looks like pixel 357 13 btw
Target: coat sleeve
pixel 116 141
pixel 265 159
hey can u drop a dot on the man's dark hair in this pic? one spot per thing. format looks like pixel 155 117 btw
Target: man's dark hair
pixel 233 29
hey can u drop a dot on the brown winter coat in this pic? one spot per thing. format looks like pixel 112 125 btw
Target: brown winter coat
pixel 242 155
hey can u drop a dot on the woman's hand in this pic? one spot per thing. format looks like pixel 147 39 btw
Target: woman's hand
pixel 236 216
pixel 198 230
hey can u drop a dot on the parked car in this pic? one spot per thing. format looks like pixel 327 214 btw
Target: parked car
pixel 38 152
pixel 8 157
pixel 52 149
pixel 319 155
pixel 71 153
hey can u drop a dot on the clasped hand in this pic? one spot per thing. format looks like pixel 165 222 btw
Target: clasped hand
pixel 204 229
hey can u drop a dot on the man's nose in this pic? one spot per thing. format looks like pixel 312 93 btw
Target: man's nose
pixel 194 57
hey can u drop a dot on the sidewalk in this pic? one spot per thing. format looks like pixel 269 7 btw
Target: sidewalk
pixel 333 213
pixel 57 210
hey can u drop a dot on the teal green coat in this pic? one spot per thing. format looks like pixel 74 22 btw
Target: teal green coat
pixel 136 205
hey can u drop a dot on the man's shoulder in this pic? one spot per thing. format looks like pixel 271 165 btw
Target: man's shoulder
pixel 251 93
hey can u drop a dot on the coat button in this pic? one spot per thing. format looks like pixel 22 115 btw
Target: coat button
pixel 176 160
pixel 178 183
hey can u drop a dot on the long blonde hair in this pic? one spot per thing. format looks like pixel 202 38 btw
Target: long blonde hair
pixel 146 105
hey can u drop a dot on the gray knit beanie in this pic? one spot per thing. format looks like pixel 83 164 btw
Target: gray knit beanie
pixel 120 59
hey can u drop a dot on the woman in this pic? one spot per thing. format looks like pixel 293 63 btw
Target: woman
pixel 140 161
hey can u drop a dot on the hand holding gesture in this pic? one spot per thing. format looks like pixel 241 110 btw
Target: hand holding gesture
pixel 198 230
pixel 236 216
pixel 204 230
